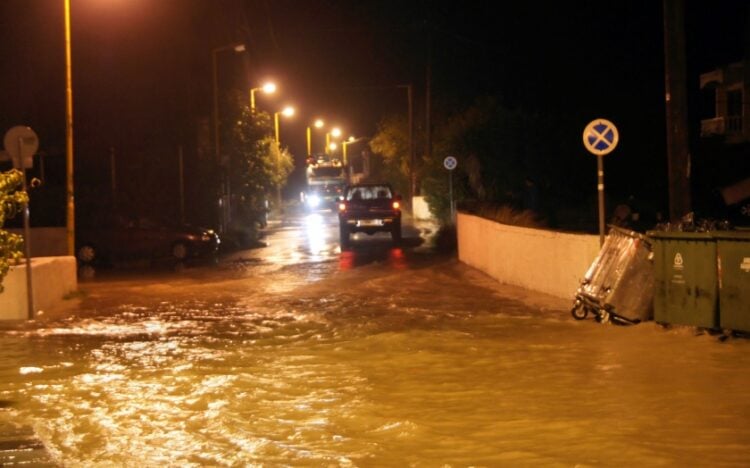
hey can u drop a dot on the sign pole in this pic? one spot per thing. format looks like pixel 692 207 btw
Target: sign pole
pixel 450 193
pixel 600 189
pixel 21 143
pixel 450 163
pixel 27 238
pixel 600 137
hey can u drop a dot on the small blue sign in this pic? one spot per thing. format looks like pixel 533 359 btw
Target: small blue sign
pixel 600 137
pixel 450 163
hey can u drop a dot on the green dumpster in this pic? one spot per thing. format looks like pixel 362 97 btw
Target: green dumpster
pixel 685 278
pixel 733 250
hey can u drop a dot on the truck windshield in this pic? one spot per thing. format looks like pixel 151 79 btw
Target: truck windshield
pixel 327 171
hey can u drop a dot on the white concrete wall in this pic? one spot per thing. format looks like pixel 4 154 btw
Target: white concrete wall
pixel 420 208
pixel 546 261
pixel 46 241
pixel 52 279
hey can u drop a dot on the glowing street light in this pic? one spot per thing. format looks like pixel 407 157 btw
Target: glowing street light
pixel 344 144
pixel 287 112
pixel 318 124
pixel 268 88
pixel 335 132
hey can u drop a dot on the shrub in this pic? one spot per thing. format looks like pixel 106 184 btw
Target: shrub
pixel 12 201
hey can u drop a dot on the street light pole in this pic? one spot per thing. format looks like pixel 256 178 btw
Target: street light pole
pixel 335 132
pixel 70 200
pixel 288 111
pixel 346 143
pixel 215 73
pixel 224 214
pixel 412 156
pixel 318 124
pixel 276 126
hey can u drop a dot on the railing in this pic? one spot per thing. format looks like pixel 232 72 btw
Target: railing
pixel 715 126
pixel 734 124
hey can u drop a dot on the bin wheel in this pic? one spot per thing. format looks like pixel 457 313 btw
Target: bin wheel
pixel 604 317
pixel 579 312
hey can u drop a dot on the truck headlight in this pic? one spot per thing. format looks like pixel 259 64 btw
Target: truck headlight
pixel 313 201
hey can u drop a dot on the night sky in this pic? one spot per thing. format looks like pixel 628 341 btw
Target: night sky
pixel 142 68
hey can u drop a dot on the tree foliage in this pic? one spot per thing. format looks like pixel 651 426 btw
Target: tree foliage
pixel 11 201
pixel 497 149
pixel 391 144
pixel 256 164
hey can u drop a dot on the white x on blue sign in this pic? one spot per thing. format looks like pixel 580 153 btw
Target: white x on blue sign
pixel 450 163
pixel 600 137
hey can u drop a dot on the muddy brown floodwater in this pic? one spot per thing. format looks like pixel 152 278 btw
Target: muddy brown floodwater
pixel 297 354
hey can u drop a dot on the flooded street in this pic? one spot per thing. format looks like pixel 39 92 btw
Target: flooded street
pixel 298 354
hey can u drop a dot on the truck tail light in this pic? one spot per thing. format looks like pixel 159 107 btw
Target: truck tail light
pixel 396 205
pixel 342 206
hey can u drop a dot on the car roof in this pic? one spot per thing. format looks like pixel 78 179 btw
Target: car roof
pixel 369 184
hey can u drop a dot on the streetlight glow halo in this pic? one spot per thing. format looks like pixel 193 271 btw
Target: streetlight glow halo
pixel 269 88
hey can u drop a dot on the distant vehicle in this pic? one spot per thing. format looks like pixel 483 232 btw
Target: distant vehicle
pixel 324 197
pixel 326 178
pixel 369 208
pixel 121 238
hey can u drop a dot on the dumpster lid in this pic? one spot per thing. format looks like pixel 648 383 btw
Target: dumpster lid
pixel 732 235
pixel 627 232
pixel 680 235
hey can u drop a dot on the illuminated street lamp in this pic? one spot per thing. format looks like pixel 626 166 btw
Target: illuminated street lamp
pixel 318 124
pixel 268 88
pixel 335 132
pixel 344 144
pixel 287 112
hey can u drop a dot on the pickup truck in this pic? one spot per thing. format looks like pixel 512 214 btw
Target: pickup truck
pixel 369 208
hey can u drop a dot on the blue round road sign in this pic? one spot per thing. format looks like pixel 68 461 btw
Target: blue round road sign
pixel 600 137
pixel 450 163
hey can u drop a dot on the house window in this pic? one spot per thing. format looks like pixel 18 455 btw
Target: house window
pixel 708 102
pixel 734 110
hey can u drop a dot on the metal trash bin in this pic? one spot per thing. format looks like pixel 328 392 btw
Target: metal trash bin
pixel 733 254
pixel 686 291
pixel 619 284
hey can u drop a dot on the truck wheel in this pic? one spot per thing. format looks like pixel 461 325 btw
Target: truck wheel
pixel 396 232
pixel 344 236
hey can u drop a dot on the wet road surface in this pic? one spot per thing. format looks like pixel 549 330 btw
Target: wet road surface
pixel 298 354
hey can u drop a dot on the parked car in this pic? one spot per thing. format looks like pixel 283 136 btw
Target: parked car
pixel 122 238
pixel 369 208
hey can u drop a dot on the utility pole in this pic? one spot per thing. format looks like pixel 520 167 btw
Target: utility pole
pixel 678 151
pixel 428 97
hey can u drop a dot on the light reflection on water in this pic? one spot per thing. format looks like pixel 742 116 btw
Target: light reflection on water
pixel 346 381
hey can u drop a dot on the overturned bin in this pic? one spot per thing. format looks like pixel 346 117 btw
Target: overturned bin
pixel 619 284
